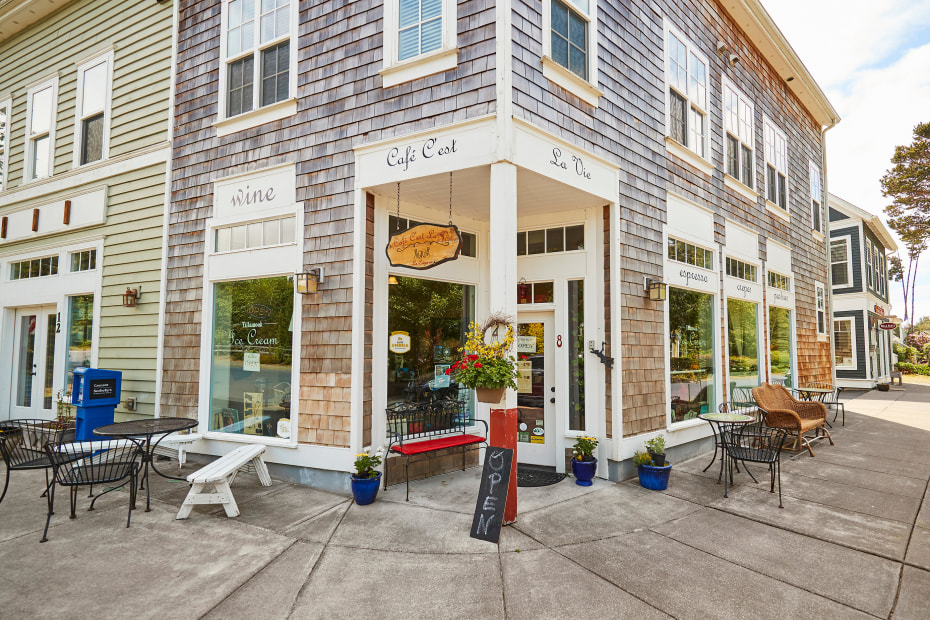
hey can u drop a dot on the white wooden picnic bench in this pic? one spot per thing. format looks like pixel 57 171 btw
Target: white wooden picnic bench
pixel 220 474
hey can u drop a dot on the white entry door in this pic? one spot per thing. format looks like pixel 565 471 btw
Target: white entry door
pixel 32 391
pixel 536 430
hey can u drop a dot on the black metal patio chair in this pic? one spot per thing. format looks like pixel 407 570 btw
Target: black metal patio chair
pixel 86 463
pixel 756 444
pixel 22 444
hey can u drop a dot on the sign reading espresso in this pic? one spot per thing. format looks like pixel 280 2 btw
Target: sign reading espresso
pixel 424 246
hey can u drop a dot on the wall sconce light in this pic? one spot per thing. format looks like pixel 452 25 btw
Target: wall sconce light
pixel 308 281
pixel 130 297
pixel 655 288
pixel 392 280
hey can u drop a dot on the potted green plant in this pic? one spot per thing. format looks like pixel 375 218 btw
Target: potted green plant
pixel 366 480
pixel 651 476
pixel 656 449
pixel 584 465
pixel 487 367
pixel 882 387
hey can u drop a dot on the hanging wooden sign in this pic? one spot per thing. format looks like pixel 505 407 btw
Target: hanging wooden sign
pixel 424 246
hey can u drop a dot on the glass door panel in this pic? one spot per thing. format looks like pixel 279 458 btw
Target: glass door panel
pixel 26 368
pixel 535 394
pixel 33 380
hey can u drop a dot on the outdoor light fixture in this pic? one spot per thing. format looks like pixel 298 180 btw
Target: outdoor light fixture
pixel 130 297
pixel 308 281
pixel 656 289
pixel 392 279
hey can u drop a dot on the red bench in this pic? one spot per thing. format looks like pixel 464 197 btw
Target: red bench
pixel 422 428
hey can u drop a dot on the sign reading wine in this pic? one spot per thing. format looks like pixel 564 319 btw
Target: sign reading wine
pixel 424 246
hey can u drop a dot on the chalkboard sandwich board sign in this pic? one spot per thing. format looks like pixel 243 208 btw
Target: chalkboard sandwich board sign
pixel 492 494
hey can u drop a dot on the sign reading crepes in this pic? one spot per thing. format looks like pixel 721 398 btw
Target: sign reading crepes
pixel 424 246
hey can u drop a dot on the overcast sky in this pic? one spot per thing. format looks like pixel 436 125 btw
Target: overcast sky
pixel 872 58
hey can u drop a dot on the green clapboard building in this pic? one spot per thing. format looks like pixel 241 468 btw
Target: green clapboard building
pixel 84 146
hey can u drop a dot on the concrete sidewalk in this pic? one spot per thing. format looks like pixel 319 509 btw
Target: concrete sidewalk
pixel 852 541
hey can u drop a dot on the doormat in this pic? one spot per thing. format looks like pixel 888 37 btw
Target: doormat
pixel 527 477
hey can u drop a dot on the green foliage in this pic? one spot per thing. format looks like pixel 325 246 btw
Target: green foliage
pixel 895 268
pixel 584 448
pixel 905 353
pixel 656 445
pixel 641 457
pixel 912 369
pixel 486 365
pixel 365 463
pixel 923 325
pixel 908 185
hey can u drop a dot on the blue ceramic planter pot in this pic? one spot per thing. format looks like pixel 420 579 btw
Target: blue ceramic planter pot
pixel 365 490
pixel 654 478
pixel 584 472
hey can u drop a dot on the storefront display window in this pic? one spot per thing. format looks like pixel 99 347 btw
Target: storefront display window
pixel 427 325
pixel 743 340
pixel 780 344
pixel 80 333
pixel 250 374
pixel 691 353
pixel 576 355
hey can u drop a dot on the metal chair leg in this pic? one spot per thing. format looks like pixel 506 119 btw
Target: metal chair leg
pixel 778 468
pixel 5 484
pixel 72 494
pixel 50 498
pixel 407 475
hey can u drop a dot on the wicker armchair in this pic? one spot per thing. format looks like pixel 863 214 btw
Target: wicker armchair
pixel 781 410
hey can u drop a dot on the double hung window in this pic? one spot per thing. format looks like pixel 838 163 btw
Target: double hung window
pixel 869 280
pixel 844 343
pixel 40 129
pixel 817 213
pixel 91 125
pixel 776 166
pixel 569 42
pixel 839 262
pixel 686 73
pixel 740 136
pixel 5 107
pixel 821 295
pixel 419 28
pixel 258 53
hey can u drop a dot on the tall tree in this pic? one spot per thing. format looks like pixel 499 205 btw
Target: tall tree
pixel 908 185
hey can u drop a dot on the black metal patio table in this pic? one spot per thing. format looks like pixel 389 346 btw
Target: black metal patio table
pixel 719 424
pixel 148 429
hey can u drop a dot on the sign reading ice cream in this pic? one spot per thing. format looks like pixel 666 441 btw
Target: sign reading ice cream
pixel 424 246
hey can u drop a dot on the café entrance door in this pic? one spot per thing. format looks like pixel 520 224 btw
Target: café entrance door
pixel 32 382
pixel 536 426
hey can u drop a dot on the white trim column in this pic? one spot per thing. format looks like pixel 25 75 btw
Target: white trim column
pixel 502 247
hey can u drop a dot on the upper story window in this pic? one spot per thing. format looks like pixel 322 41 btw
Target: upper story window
pixel 776 166
pixel 40 129
pixel 685 252
pixel 419 28
pixel 686 76
pixel 255 235
pixel 878 269
pixel 839 262
pixel 777 280
pixel 548 241
pixel 738 115
pixel 821 294
pixel 870 282
pixel 34 268
pixel 5 108
pixel 569 43
pixel 258 54
pixel 817 213
pixel 741 270
pixel 92 122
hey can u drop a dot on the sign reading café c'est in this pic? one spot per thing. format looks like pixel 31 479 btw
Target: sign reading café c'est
pixel 424 246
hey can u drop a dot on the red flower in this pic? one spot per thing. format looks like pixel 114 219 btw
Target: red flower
pixel 472 357
pixel 448 371
pixel 477 364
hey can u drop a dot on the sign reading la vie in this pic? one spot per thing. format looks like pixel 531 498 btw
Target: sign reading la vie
pixel 424 246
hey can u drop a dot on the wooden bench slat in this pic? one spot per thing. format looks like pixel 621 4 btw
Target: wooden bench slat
pixel 219 474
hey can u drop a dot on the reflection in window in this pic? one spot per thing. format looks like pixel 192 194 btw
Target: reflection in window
pixel 576 354
pixel 80 333
pixel 688 253
pixel 250 375
pixel 780 344
pixel 743 340
pixel 691 353
pixel 431 320
pixel 535 293
pixel 843 343
pixel 551 240
pixel 255 235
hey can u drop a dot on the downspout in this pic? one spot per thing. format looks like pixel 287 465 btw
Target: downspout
pixel 826 233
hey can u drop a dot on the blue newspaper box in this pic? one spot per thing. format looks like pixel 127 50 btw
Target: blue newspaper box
pixel 95 395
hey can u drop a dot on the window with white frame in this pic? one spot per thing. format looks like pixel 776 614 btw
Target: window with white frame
pixel 686 76
pixel 739 146
pixel 40 129
pixel 777 280
pixel 419 39
pixel 569 35
pixel 868 264
pixel 92 122
pixel 821 295
pixel 878 270
pixel 84 260
pixel 776 165
pixel 839 262
pixel 844 344
pixel 258 54
pixel 5 111
pixel 817 213
pixel 419 28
